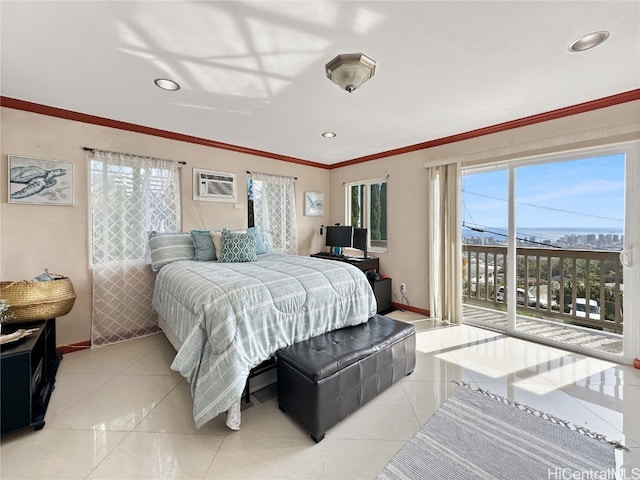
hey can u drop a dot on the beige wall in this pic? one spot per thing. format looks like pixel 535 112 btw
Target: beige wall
pixel 406 259
pixel 34 237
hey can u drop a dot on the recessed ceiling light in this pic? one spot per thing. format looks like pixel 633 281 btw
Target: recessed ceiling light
pixel 328 134
pixel 589 41
pixel 166 84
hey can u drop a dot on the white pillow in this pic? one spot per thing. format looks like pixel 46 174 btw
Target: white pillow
pixel 216 236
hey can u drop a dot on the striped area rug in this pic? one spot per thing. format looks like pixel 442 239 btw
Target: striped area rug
pixel 478 435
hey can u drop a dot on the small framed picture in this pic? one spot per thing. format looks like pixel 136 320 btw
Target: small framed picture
pixel 313 204
pixel 40 181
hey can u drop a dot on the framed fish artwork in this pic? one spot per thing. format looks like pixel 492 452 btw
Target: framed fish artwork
pixel 40 181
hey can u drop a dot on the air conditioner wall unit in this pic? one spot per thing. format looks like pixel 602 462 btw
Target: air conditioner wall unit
pixel 213 186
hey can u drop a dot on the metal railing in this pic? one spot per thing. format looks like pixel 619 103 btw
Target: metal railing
pixel 580 287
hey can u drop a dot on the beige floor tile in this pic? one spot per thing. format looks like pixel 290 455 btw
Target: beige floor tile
pixel 72 387
pixel 174 414
pixel 617 407
pixel 426 397
pixel 143 455
pixel 110 359
pixel 267 419
pixel 119 404
pixel 54 453
pixel 155 362
pixel 356 459
pixel 262 457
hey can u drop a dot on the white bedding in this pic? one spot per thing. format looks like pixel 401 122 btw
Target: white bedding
pixel 230 317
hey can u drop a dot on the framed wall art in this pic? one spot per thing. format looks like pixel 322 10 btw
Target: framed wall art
pixel 313 204
pixel 40 181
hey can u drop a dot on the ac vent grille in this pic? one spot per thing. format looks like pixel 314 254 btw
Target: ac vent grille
pixel 214 186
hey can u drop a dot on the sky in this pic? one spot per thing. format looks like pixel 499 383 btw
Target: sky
pixel 586 193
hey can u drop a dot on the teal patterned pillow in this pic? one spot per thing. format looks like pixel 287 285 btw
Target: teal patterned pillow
pixel 169 247
pixel 238 247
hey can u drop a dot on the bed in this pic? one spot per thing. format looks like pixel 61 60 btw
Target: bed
pixel 226 318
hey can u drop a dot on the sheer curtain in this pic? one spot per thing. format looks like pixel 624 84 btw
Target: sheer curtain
pixel 130 196
pixel 445 251
pixel 274 210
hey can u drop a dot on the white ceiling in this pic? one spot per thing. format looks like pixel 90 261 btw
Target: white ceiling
pixel 252 73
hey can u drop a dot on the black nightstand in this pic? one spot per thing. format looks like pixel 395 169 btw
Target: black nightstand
pixel 382 291
pixel 27 374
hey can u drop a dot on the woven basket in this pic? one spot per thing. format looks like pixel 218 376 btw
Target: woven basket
pixel 33 301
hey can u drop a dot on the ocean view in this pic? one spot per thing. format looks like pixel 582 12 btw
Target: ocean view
pixel 602 238
pixel 548 233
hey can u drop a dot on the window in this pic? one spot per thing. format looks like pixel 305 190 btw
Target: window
pixel 366 207
pixel 272 208
pixel 129 196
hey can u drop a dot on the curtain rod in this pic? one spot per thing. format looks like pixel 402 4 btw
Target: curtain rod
pixel 93 150
pixel 295 178
pixel 368 181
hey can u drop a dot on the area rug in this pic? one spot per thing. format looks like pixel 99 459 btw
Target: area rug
pixel 479 435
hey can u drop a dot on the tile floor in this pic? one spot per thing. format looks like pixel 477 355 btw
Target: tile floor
pixel 119 412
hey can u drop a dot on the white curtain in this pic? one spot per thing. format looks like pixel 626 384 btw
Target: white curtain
pixel 274 210
pixel 445 251
pixel 130 196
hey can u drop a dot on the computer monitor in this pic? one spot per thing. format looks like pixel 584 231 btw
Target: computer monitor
pixel 338 236
pixel 360 240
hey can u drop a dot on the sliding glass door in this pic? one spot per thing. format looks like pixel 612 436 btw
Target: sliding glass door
pixel 547 249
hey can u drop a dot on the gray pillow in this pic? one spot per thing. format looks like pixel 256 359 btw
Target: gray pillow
pixel 203 243
pixel 169 247
pixel 238 247
pixel 261 247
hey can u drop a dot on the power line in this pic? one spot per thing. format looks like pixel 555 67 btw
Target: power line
pixel 500 234
pixel 547 208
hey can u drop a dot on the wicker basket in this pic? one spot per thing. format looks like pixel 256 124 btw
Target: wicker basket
pixel 33 301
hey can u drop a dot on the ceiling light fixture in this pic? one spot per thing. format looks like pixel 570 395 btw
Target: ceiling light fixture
pixel 166 84
pixel 329 135
pixel 589 41
pixel 350 70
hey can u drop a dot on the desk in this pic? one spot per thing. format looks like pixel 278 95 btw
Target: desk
pixel 364 264
pixel 381 288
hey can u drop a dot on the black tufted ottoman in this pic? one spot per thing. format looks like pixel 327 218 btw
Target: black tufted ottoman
pixel 326 378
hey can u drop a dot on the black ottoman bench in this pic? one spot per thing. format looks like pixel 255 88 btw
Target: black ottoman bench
pixel 326 378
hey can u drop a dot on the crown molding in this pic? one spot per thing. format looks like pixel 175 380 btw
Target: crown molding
pixel 605 102
pixel 132 127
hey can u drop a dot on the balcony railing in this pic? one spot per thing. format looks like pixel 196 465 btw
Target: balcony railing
pixel 579 287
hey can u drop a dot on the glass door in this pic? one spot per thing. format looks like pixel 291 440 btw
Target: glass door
pixel 484 200
pixel 548 247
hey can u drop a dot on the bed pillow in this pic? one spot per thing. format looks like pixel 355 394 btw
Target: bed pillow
pixel 216 238
pixel 261 247
pixel 267 239
pixel 238 247
pixel 203 243
pixel 169 247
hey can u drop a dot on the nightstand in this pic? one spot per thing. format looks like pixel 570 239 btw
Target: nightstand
pixel 27 375
pixel 382 292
